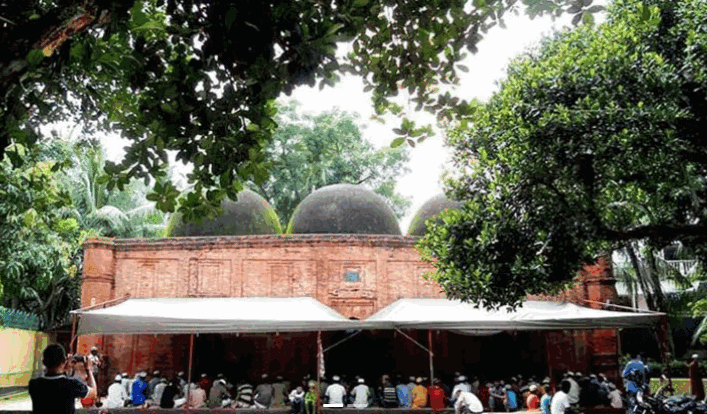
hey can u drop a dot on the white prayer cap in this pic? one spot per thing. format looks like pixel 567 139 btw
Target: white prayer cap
pixel 335 378
pixel 361 381
pixel 462 378
pixel 533 388
pixel 118 377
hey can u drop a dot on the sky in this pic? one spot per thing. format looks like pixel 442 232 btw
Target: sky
pixel 430 158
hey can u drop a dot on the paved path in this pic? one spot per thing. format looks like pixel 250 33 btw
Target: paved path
pixel 25 404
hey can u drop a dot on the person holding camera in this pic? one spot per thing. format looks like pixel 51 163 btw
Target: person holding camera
pixel 55 393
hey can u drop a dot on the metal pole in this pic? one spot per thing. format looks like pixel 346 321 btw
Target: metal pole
pixel 319 378
pixel 72 349
pixel 191 355
pixel 341 341
pixel 432 370
pixel 549 363
pixel 417 343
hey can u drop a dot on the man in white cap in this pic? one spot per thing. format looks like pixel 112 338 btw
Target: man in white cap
pixel 573 394
pixel 96 365
pixel 116 394
pixel 466 403
pixel 139 387
pixel 615 397
pixel 153 383
pixel 263 393
pixel 125 382
pixel 532 401
pixel 159 390
pixel 361 394
pixel 336 393
pixel 462 386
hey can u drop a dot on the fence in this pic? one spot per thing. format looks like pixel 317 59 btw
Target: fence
pixel 11 318
pixel 20 347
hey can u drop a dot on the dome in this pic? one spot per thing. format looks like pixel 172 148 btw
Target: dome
pixel 431 208
pixel 250 215
pixel 343 209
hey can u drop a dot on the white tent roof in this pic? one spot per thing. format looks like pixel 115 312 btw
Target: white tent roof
pixel 212 315
pixel 533 315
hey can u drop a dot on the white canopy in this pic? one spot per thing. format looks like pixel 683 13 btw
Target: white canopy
pixel 533 315
pixel 212 315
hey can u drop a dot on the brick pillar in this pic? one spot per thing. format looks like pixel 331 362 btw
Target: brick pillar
pixel 98 284
pixel 600 285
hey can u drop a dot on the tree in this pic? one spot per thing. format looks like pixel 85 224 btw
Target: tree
pixel 199 77
pixel 593 142
pixel 103 212
pixel 40 249
pixel 310 152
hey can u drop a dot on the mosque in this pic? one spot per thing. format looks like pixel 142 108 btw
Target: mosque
pixel 343 246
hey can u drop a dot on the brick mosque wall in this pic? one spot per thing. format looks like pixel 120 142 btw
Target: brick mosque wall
pixel 356 275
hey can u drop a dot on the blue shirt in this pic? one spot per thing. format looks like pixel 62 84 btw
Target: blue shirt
pixel 139 387
pixel 633 365
pixel 512 404
pixel 404 399
pixel 545 403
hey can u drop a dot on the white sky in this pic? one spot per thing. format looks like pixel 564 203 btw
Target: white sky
pixel 428 159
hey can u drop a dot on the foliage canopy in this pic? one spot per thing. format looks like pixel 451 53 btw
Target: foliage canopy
pixel 199 77
pixel 593 142
pixel 310 152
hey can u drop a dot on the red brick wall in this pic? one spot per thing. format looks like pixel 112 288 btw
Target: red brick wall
pixel 388 268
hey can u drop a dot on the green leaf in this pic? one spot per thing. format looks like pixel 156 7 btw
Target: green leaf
pixel 397 142
pixel 34 57
pixel 231 16
pixel 645 13
pixel 360 3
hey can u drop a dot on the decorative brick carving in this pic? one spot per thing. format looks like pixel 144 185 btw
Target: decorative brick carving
pixel 209 277
pixel 353 293
pixel 354 308
pixel 343 271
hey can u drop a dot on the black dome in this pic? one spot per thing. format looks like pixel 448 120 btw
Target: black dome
pixel 431 208
pixel 250 215
pixel 344 209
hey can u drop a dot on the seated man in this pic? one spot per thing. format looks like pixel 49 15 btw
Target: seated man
pixel 560 401
pixel 466 403
pixel 116 394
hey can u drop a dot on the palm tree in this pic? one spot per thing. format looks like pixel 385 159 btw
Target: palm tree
pixel 109 213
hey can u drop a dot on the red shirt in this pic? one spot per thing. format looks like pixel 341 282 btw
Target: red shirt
pixel 436 394
pixel 484 395
pixel 533 402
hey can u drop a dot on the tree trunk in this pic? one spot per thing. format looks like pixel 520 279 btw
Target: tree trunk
pixel 641 279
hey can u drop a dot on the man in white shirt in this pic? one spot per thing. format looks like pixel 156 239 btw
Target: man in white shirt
pixel 461 385
pixel 361 393
pixel 560 401
pixel 116 394
pixel 573 394
pixel 615 397
pixel 159 390
pixel 336 392
pixel 466 402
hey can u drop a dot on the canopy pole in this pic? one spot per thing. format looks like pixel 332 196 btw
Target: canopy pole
pixel 417 343
pixel 549 364
pixel 74 337
pixel 191 356
pixel 340 342
pixel 432 370
pixel 320 357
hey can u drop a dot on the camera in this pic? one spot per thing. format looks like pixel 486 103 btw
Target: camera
pixel 79 358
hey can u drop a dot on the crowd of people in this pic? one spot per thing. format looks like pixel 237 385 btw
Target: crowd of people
pixel 463 394
pixel 466 395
